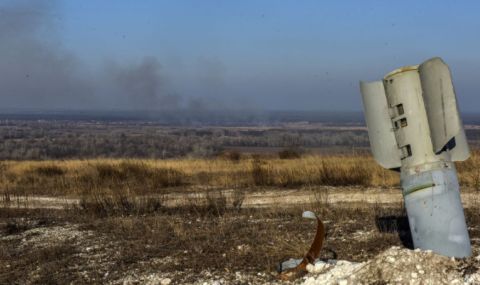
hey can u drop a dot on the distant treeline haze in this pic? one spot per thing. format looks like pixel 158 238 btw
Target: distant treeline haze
pixel 38 140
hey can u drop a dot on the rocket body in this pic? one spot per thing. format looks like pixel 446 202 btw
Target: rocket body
pixel 421 135
pixel 435 212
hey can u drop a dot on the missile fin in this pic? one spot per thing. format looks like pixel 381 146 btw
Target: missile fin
pixel 442 109
pixel 380 130
pixel 461 151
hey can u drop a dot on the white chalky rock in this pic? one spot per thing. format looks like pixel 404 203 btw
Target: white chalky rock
pixel 409 267
pixel 309 215
pixel 165 281
pixel 332 272
pixel 310 281
pixel 317 267
pixel 473 279
pixel 320 266
pixel 311 268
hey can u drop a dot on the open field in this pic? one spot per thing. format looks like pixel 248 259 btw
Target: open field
pixel 109 202
pixel 231 142
pixel 214 242
pixel 228 220
pixel 74 178
pixel 192 241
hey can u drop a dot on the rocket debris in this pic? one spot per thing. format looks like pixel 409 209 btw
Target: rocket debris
pixel 293 269
pixel 414 127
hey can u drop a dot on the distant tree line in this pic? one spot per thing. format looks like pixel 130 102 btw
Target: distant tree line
pixel 22 140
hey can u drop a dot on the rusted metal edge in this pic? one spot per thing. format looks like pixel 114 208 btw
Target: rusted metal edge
pixel 312 254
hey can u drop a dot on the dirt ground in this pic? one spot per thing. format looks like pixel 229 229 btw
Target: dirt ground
pixel 255 198
pixel 251 198
pixel 45 240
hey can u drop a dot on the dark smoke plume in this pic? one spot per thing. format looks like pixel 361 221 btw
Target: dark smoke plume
pixel 35 71
pixel 143 85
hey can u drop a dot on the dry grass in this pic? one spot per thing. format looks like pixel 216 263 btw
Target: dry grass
pixel 469 171
pixel 75 177
pixel 196 239
pixel 132 231
pixel 80 177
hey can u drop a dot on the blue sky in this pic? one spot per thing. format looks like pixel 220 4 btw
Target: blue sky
pixel 269 54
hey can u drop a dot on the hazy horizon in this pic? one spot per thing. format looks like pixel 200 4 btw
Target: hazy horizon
pixel 216 55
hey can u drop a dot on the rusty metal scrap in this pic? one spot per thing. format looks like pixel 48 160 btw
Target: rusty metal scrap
pixel 310 256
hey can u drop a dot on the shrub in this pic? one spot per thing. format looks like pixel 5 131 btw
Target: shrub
pixel 49 170
pixel 260 175
pixel 337 174
pixel 231 155
pixel 107 171
pixel 118 204
pixel 289 153
pixel 216 203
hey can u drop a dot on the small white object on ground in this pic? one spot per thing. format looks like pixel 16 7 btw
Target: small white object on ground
pixel 309 215
pixel 165 281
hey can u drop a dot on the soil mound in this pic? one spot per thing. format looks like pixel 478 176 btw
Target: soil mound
pixel 397 266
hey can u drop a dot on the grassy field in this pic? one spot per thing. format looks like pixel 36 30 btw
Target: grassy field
pixel 121 230
pixel 77 177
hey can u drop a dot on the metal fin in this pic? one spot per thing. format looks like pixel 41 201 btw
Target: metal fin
pixel 461 151
pixel 380 131
pixel 442 110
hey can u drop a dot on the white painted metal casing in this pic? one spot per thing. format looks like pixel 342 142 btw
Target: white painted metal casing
pixel 421 90
pixel 377 118
pixel 442 108
pixel 423 133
